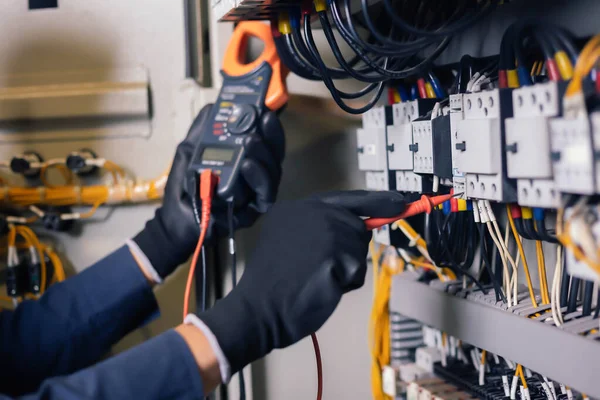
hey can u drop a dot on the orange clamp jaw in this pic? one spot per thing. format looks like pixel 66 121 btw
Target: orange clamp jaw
pixel 235 65
pixel 425 205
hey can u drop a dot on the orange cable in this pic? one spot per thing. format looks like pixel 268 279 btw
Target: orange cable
pixel 208 181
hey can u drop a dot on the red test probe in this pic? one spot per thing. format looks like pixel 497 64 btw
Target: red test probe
pixel 425 204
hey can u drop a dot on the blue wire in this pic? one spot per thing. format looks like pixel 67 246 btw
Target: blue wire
pixel 414 92
pixel 437 87
pixel 403 93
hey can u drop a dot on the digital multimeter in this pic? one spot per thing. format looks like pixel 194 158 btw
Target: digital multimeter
pixel 248 91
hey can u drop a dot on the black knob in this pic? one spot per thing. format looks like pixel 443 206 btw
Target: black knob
pixel 76 162
pixel 22 164
pixel 53 222
pixel 242 119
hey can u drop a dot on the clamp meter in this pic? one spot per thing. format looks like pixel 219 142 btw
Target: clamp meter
pixel 248 91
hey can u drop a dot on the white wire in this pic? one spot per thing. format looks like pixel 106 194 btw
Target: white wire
pixel 514 278
pixel 556 286
pixel 505 254
pixel 435 111
pixel 436 184
pixel 504 265
pixel 472 81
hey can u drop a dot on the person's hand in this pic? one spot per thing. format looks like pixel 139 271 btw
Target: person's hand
pixel 309 254
pixel 169 238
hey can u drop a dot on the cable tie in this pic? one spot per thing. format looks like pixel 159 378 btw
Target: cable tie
pixel 70 216
pixel 77 191
pixel 42 193
pixel 413 242
pixel 37 211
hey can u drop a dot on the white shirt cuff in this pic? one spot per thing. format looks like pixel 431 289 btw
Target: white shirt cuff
pixel 143 261
pixel 224 367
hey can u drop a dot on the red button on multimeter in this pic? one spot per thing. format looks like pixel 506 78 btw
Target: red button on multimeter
pixel 249 90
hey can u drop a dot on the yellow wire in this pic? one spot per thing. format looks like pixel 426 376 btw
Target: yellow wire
pixel 59 271
pixel 519 372
pixel 542 272
pixel 379 323
pixel 565 67
pixel 522 253
pixel 29 235
pixel 65 172
pixel 534 68
pixel 584 65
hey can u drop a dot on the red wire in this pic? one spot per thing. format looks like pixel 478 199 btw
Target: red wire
pixel 190 279
pixel 390 94
pixel 207 185
pixel 319 366
pixel 422 88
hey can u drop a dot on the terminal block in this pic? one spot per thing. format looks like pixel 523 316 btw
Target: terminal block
pixel 480 143
pixel 400 145
pixel 528 143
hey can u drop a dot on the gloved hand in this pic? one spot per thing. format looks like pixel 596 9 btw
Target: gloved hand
pixel 169 238
pixel 309 253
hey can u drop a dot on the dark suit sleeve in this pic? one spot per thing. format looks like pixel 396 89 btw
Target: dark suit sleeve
pixel 162 368
pixel 73 324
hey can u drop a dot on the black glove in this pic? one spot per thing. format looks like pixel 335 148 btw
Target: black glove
pixel 169 238
pixel 309 253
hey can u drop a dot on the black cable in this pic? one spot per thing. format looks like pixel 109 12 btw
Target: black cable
pixel 351 36
pixel 338 54
pixel 520 229
pixel 353 39
pixel 540 227
pixel 291 62
pixel 233 253
pixel 564 287
pixel 573 295
pixel 529 227
pixel 451 30
pixel 327 80
pixel 588 293
pixel 597 310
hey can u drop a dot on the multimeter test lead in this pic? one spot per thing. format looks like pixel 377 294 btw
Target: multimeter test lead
pixel 425 204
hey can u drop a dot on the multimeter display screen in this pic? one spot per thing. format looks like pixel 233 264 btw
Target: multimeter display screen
pixel 217 154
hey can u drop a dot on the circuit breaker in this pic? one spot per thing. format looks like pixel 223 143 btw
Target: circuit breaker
pixel 479 143
pixel 528 143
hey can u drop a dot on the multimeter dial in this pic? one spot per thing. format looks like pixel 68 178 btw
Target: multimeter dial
pixel 242 119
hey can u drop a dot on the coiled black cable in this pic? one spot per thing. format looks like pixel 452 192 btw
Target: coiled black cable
pixel 327 79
